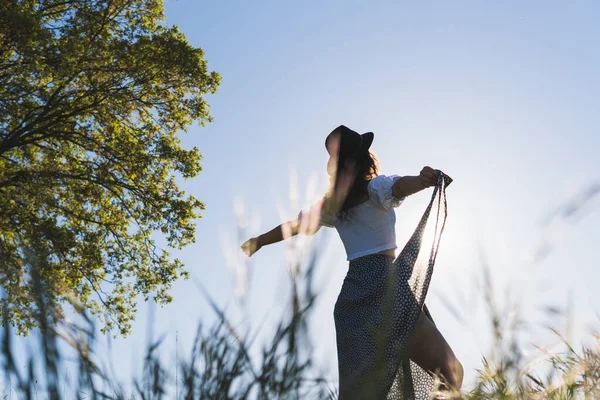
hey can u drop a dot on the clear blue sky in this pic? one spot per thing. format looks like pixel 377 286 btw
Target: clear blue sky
pixel 502 96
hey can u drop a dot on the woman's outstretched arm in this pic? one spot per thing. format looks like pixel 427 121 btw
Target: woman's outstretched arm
pixel 308 224
pixel 407 185
pixel 277 234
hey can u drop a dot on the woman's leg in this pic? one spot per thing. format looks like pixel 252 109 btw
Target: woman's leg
pixel 430 351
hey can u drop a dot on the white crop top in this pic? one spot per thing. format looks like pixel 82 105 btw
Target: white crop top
pixel 369 227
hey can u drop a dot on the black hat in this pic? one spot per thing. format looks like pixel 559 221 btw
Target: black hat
pixel 352 143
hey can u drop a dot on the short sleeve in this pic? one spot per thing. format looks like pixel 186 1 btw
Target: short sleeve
pixel 380 191
pixel 315 210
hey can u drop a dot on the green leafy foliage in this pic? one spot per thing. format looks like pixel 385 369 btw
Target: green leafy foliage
pixel 92 96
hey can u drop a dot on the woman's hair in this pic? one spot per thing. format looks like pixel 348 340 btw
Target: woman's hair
pixel 361 167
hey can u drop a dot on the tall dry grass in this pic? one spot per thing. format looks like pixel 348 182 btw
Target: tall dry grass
pixel 220 364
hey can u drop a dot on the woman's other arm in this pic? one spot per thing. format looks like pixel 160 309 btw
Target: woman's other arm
pixel 407 185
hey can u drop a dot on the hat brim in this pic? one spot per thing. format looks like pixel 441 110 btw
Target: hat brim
pixel 367 140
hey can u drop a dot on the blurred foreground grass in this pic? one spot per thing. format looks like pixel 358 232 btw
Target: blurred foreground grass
pixel 220 366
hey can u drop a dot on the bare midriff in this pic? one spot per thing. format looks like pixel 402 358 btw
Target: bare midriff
pixel 391 252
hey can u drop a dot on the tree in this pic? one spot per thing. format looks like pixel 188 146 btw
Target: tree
pixel 92 96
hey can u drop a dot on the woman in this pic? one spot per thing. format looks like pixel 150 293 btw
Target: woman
pixel 387 343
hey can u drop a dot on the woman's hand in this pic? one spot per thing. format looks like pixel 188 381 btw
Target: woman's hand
pixel 428 177
pixel 251 246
